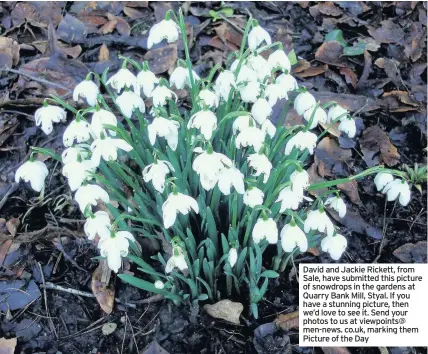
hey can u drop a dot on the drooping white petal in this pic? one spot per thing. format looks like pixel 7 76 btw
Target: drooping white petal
pixel 86 89
pixel 231 177
pixel 34 172
pixel 177 203
pixel 129 102
pixel 318 220
pixel 124 79
pixel 253 197
pixel 101 118
pixel 206 121
pixel 78 131
pixel 46 115
pixel 334 245
pixel 337 204
pixel 291 237
pixel 302 140
pixel 164 128
pixel 98 224
pixel 261 164
pixel 165 29
pixel 303 102
pixel 88 195
pixel 147 80
pixel 258 36
pixel 265 229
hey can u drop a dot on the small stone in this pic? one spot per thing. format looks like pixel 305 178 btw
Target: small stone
pixel 109 328
pixel 226 310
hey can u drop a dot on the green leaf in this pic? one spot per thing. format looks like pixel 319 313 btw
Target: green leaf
pixel 335 35
pixel 255 311
pixel 269 274
pixel 202 297
pixel 292 57
pixel 357 49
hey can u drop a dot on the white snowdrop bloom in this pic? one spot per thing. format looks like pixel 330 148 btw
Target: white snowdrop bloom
pixel 261 110
pixel 287 82
pixel 246 74
pixel 224 83
pixel 159 284
pixel 97 224
pixel 209 166
pixel 47 115
pixel 72 154
pixel 265 229
pixel 261 164
pixel 124 79
pixel 268 128
pixel 274 92
pixel 242 122
pixel 318 220
pixel 209 98
pixel 279 60
pixel 334 245
pixel 337 204
pixel 232 256
pixel 107 149
pixel 320 116
pixel 382 179
pixel 115 247
pixel 348 126
pixel 260 67
pixel 156 172
pixel 32 171
pixel 161 94
pixel 250 91
pixel 289 199
pixel 303 102
pixel 164 128
pixel 231 177
pixel 147 81
pixel 129 102
pixel 205 121
pixel 177 260
pixel 258 36
pixel 79 131
pixel 299 181
pixel 86 89
pixel 88 195
pixel 253 196
pixel 336 112
pixel 165 29
pixel 77 172
pixel 234 65
pixel 251 136
pixel 398 188
pixel 99 119
pixel 302 140
pixel 177 203
pixel 180 77
pixel 291 237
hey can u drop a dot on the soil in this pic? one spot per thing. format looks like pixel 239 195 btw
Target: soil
pixel 63 322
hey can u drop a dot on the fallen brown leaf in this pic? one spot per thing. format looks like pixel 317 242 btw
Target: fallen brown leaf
pixel 288 321
pixel 329 8
pixel 350 76
pixel 121 25
pixel 375 141
pixel 7 346
pixel 330 53
pixel 412 252
pixel 103 293
pixel 104 53
pixel 132 12
pixel 333 159
pixel 12 226
pixel 312 71
pixel 388 32
pixel 162 59
pixel 108 27
pixel 4 250
pixel 9 52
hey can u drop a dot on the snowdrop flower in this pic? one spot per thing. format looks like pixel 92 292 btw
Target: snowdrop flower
pixel 265 229
pixel 77 172
pixel 97 224
pixel 334 245
pixel 336 112
pixel 205 121
pixel 320 116
pixel 224 83
pixel 242 122
pixel 147 80
pixel 347 125
pixel 99 119
pixel 32 171
pixel 106 148
pixel 177 202
pixel 261 164
pixel 180 77
pixel 257 36
pixel 79 131
pixel 47 115
pixel 231 177
pixel 398 188
pixel 289 199
pixel 268 128
pixel 86 89
pixel 164 128
pixel 115 247
pixel 124 79
pixel 302 140
pixel 291 237
pixel 337 204
pixel 253 196
pixel 260 67
pixel 88 195
pixel 382 179
pixel 299 181
pixel 279 60
pixel 177 260
pixel 232 256
pixel 209 165
pixel 72 154
pixel 246 74
pixel 261 110
pixel 156 172
pixel 250 136
pixel 159 284
pixel 250 91
pixel 275 92
pixel 161 94
pixel 129 102
pixel 287 82
pixel 318 220
pixel 165 29
pixel 303 102
pixel 209 98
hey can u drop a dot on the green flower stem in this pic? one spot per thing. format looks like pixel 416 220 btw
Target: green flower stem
pixel 284 112
pixel 331 125
pixel 242 48
pixel 308 125
pixel 269 46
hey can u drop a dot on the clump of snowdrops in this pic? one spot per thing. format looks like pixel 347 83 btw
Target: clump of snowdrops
pixel 218 184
